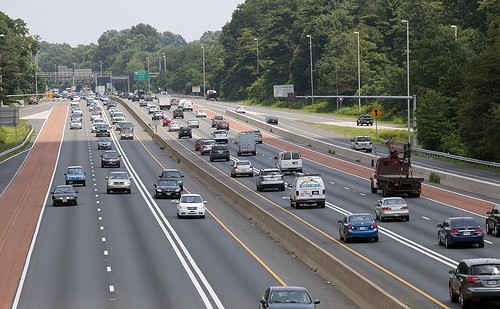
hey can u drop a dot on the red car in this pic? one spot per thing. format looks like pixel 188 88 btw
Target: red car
pixel 166 120
pixel 199 142
pixel 223 125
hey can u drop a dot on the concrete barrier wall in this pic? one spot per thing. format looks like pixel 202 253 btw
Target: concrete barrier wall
pixel 360 290
pixel 448 179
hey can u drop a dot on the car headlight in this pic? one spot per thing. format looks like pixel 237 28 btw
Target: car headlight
pixel 158 190
pixel 179 182
pixel 178 190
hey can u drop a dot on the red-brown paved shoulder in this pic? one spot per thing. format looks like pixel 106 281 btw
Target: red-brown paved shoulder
pixel 22 202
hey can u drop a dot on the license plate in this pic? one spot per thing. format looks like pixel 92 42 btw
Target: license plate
pixel 466 233
pixel 169 193
pixel 492 282
pixel 362 228
pixel 315 192
pixel 65 200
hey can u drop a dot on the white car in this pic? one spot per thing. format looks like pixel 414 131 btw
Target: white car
pixel 201 113
pixel 159 115
pixel 76 109
pixel 152 108
pixel 392 208
pixel 362 143
pixel 188 106
pixel 95 123
pixel 75 124
pixel 74 103
pixel 191 205
pixel 181 103
pixel 117 116
pixel 240 109
pixel 220 136
pixel 174 126
pixel 193 123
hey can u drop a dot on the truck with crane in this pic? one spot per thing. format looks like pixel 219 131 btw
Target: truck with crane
pixel 394 173
pixel 211 95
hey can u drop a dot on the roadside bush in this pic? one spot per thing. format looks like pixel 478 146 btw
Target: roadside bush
pixel 434 178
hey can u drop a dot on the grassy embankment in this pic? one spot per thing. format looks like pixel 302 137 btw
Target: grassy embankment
pixel 8 138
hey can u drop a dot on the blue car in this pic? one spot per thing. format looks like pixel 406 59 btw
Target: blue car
pixel 460 230
pixel 75 175
pixel 358 226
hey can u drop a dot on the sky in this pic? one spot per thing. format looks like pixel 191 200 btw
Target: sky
pixel 83 22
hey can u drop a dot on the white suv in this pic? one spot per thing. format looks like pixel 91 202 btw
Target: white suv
pixel 362 143
pixel 190 205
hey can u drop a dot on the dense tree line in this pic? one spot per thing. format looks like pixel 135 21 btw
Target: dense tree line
pixel 455 79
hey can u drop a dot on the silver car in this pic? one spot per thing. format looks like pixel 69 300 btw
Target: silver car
pixel 362 143
pixel 75 124
pixel 104 143
pixel 257 134
pixel 243 167
pixel 270 178
pixel 118 181
pixel 392 208
pixel 126 134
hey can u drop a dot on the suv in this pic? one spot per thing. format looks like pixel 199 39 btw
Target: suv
pixel 219 151
pixel 475 279
pixel 172 174
pixel 110 158
pixel 118 181
pixel 362 143
pixel 493 221
pixel 74 175
pixel 185 132
pixel 270 178
pixel 102 129
pixel 178 113
pixel 364 119
pixel 216 119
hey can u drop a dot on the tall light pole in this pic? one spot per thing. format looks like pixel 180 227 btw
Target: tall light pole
pixel 159 61
pixel 203 49
pixel 408 70
pixel 337 77
pixel 55 73
pixel 359 77
pixel 311 60
pixel 149 77
pixel 73 74
pixel 100 65
pixel 257 40
pixel 454 26
pixel 164 61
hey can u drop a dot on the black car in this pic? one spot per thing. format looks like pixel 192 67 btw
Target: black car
pixel 185 132
pixel 287 297
pixel 493 221
pixel 135 98
pixel 168 189
pixel 272 120
pixel 364 119
pixel 172 174
pixel 110 158
pixel 178 113
pixel 102 129
pixel 64 195
pixel 219 151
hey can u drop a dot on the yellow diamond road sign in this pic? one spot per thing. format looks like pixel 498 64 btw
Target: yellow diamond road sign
pixel 376 113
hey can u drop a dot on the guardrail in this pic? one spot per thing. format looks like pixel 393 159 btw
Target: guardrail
pixel 18 146
pixel 437 154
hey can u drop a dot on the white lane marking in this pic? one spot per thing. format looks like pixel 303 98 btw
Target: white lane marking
pixel 361 193
pixel 347 188
pixel 111 288
pixel 425 218
pixel 98 209
pixel 97 202
pixel 101 228
pixel 100 218
pixel 103 239
pixel 332 182
pixel 108 269
pixel 489 242
pixel 106 252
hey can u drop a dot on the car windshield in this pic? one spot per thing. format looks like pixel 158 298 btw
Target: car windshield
pixel 75 170
pixel 68 189
pixel 111 154
pixel 167 183
pixel 363 139
pixel 171 174
pixel 104 140
pixel 219 147
pixel 459 222
pixel 239 163
pixel 360 218
pixel 118 175
pixel 492 269
pixel 395 201
pixel 118 114
pixel 271 173
pixel 191 199
pixel 126 131
pixel 300 297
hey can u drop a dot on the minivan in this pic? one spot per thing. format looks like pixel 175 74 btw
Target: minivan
pixel 307 189
pixel 246 144
pixel 289 161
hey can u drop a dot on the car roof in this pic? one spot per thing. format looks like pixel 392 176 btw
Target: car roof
pixel 287 288
pixel 75 166
pixel 64 186
pixel 269 170
pixel 478 261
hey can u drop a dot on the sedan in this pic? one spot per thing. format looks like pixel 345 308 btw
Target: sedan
pixel 240 109
pixel 166 120
pixel 201 113
pixel 272 120
pixel 270 178
pixel 392 208
pixel 199 142
pixel 64 195
pixel 117 116
pixel 358 225
pixel 174 126
pixel 126 134
pixel 118 181
pixel 185 132
pixel 460 230
pixel 75 124
pixel 110 158
pixel 287 297
pixel 207 146
pixel 167 189
pixel 243 167
pixel 191 205
pixel 223 125
pixel 193 123
pixel 104 143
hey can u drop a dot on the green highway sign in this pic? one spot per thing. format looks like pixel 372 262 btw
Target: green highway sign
pixel 141 75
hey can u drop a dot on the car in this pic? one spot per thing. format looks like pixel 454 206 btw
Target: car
pixel 178 113
pixel 198 143
pixel 174 126
pixel 242 167
pixel 117 116
pixel 220 136
pixel 78 116
pixel 159 114
pixel 174 101
pixel 207 146
pixel 111 104
pixel 76 109
pixel 152 108
pixel 193 123
pixel 240 109
pixel 362 143
pixel 460 230
pixel 246 144
pixel 167 120
pixel 219 151
pixel 75 124
pixel 201 113
pixel 272 120
pixel 104 143
pixel 364 119
pixel 223 125
pixel 475 280
pixel 289 161
pixel 185 132
pixel 93 127
pixel 493 221
pixel 257 134
pixel 180 104
pixel 112 110
pixel 75 175
pixel 358 225
pixel 110 158
pixel 142 103
pixel 126 133
pixel 306 190
pixel 32 100
pixel 191 205
pixel 216 119
pixel 117 181
pixel 95 115
pixel 270 178
pixel 188 106
pixel 125 125
pixel 172 174
pixel 97 109
pixel 392 208
pixel 102 129
pixel 64 195
pixel 135 98
pixel 167 188
pixel 287 297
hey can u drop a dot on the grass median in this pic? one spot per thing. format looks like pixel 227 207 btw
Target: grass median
pixel 8 138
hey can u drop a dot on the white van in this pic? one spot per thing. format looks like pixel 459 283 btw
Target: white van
pixel 246 144
pixel 307 189
pixel 289 162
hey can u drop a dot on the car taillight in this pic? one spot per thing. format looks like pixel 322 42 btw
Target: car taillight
pixel 370 143
pixel 478 231
pixel 373 226
pixel 324 191
pixel 356 143
pixel 296 192
pixel 404 207
pixel 386 208
pixel 250 166
pixel 350 227
pixel 235 167
pixel 472 279
pixel 453 231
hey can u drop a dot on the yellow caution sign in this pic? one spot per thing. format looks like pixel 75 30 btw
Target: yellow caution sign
pixel 376 113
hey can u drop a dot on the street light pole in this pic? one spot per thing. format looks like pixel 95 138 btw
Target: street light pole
pixel 73 74
pixel 337 77
pixel 164 61
pixel 257 40
pixel 203 49
pixel 100 64
pixel 454 26
pixel 149 77
pixel 311 60
pixel 359 77
pixel 408 70
pixel 159 62
pixel 55 74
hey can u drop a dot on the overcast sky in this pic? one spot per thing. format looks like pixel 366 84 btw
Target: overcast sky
pixel 82 22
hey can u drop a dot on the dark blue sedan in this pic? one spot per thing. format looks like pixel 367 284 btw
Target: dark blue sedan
pixel 358 226
pixel 460 230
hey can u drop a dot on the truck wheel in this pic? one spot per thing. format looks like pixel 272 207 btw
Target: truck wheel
pixel 322 205
pixel 488 230
pixel 496 231
pixel 384 191
pixel 374 190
